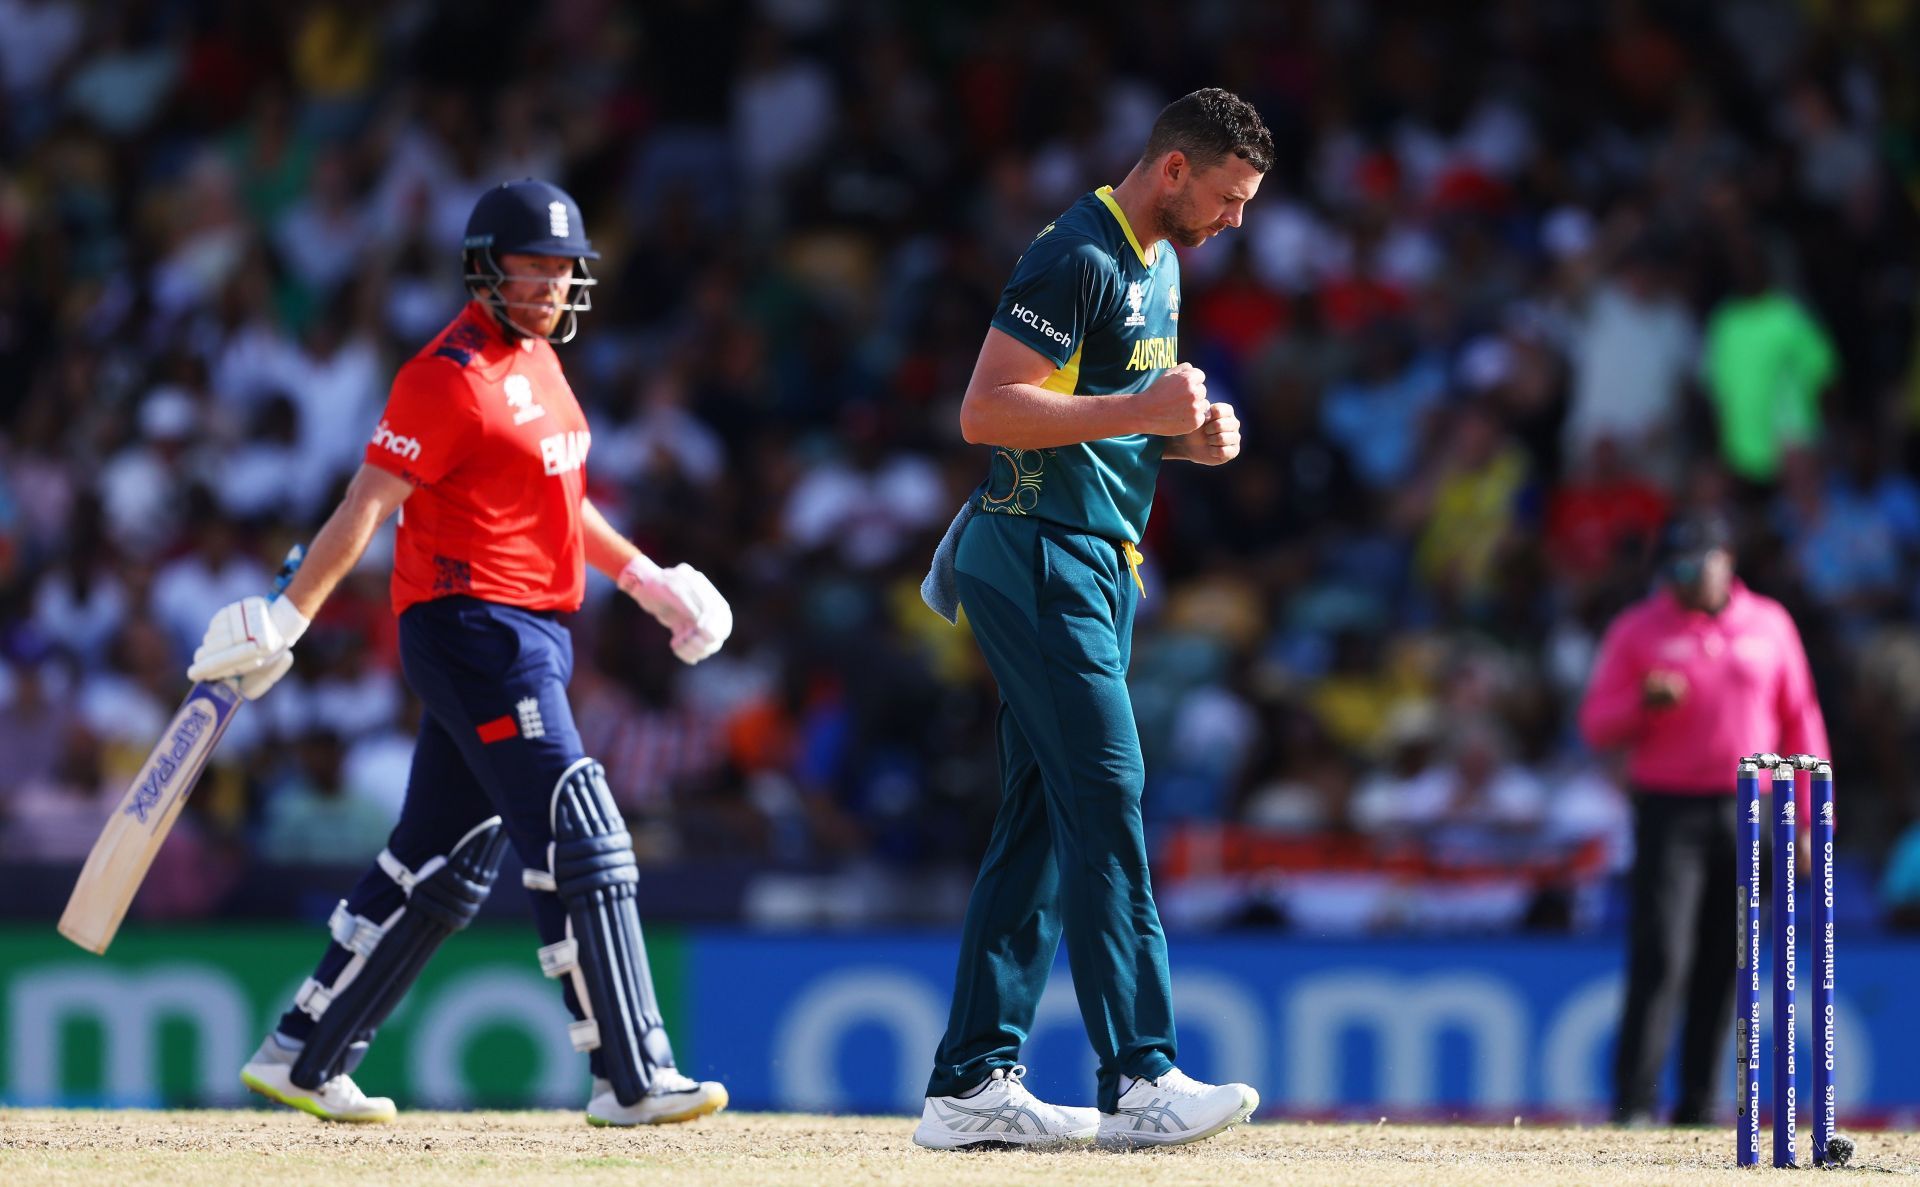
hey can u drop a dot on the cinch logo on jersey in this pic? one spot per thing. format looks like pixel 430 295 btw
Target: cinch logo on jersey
pixel 1022 313
pixel 563 453
pixel 394 443
pixel 1150 354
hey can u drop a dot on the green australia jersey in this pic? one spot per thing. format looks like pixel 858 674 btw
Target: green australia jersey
pixel 1086 296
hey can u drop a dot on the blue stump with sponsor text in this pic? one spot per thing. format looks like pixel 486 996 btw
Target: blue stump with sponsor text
pixel 1825 1106
pixel 1746 1024
pixel 1784 807
pixel 1786 1073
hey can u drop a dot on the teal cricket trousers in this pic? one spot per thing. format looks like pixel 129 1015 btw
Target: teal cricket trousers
pixel 1052 610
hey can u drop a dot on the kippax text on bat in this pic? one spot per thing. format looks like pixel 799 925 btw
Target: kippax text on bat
pixel 185 737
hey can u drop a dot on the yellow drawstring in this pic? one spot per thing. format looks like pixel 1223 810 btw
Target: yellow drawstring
pixel 1133 562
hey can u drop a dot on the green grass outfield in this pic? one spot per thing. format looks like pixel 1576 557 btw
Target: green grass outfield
pixel 231 1148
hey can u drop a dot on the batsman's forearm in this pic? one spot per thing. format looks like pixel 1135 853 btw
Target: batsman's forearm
pixel 338 547
pixel 1025 416
pixel 607 550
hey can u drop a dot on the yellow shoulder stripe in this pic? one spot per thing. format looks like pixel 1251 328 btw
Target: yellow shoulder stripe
pixel 1105 194
pixel 1066 379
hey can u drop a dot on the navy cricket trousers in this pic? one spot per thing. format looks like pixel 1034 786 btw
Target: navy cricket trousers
pixel 495 738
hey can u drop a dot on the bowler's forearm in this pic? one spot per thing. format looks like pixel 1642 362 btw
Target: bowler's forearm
pixel 1026 416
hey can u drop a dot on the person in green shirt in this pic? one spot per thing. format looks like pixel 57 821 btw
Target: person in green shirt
pixel 1079 390
pixel 1765 365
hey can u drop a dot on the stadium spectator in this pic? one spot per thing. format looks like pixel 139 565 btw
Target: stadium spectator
pixel 1633 354
pixel 313 815
pixel 1767 363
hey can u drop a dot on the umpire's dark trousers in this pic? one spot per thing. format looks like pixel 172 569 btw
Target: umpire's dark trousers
pixel 1681 948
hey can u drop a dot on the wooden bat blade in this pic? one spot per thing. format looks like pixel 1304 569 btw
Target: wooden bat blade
pixel 140 821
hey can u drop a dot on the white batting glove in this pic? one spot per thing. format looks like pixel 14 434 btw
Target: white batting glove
pixel 251 643
pixel 683 601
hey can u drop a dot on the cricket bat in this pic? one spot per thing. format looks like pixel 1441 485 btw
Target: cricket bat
pixel 140 821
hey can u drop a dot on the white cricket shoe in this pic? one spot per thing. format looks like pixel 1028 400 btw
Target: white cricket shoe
pixel 672 1097
pixel 270 1073
pixel 1174 1109
pixel 1002 1113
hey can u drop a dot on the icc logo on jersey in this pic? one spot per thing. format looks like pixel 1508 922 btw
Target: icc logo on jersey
pixel 1136 299
pixel 519 391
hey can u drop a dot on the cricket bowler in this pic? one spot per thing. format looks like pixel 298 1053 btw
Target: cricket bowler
pixel 482 450
pixel 1079 390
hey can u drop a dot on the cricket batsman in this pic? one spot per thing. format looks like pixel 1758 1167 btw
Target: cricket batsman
pixel 1079 390
pixel 483 450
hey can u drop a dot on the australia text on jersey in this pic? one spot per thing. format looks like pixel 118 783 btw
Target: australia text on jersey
pixel 1151 354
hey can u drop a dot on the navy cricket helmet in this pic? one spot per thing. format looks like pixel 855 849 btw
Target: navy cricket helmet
pixel 1685 542
pixel 527 217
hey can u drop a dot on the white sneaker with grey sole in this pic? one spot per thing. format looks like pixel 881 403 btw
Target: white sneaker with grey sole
pixel 671 1097
pixel 1002 1113
pixel 1175 1109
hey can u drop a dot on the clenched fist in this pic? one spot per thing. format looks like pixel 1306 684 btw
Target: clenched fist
pixel 1663 689
pixel 1174 404
pixel 1218 438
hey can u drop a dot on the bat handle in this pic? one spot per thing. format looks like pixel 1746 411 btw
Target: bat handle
pixel 281 580
pixel 288 568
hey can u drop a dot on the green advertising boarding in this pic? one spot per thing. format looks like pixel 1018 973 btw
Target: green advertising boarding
pixel 167 1017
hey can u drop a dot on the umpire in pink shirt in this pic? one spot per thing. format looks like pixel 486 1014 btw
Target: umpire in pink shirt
pixel 1689 680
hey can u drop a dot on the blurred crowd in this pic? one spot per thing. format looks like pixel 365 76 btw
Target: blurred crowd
pixel 1529 276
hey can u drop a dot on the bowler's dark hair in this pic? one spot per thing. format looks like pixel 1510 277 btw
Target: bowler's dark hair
pixel 1207 127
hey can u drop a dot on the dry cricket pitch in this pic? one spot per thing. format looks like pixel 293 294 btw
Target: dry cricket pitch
pixel 218 1148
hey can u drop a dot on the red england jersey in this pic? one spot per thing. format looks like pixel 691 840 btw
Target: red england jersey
pixel 492 439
